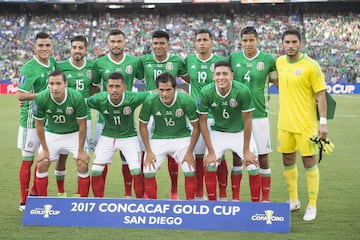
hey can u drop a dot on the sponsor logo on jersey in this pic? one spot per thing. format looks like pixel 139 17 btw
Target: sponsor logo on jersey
pixel 69 110
pixel 203 67
pixel 298 72
pixel 238 65
pixel 169 66
pixel 127 110
pixel 48 111
pixel 168 113
pixel 107 71
pixel 225 103
pixel 129 69
pixel 158 113
pixel 106 112
pixel 59 110
pixel 179 112
pixel 260 66
pixel 214 105
pixel 249 65
pixel 69 76
pixel 233 103
pixel 149 65
pixel 193 66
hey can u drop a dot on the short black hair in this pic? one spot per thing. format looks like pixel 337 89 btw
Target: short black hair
pixel 203 30
pixel 161 34
pixel 291 32
pixel 79 38
pixel 42 35
pixel 222 64
pixel 248 30
pixel 57 73
pixel 116 76
pixel 164 78
pixel 115 32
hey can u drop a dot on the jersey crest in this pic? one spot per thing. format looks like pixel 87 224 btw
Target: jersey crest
pixel 127 110
pixel 260 66
pixel 169 66
pixel 129 69
pixel 69 110
pixel 89 73
pixel 233 103
pixel 179 112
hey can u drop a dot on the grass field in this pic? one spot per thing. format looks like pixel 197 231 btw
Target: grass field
pixel 338 203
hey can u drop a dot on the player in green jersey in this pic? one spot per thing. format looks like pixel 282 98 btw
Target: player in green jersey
pixel 171 110
pixel 230 103
pixel 33 78
pixel 200 67
pixel 152 65
pixel 64 111
pixel 301 84
pixel 117 107
pixel 80 75
pixel 129 66
pixel 256 69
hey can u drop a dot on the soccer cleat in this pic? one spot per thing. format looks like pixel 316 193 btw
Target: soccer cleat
pixel 22 207
pixel 203 198
pixel 294 206
pixel 76 195
pixel 222 199
pixel 174 196
pixel 128 197
pixel 310 213
pixel 61 194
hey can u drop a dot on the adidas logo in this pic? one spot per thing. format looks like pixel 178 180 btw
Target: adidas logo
pixel 69 76
pixel 106 112
pixel 193 66
pixel 149 65
pixel 48 111
pixel 107 71
pixel 158 114
pixel 214 105
pixel 238 65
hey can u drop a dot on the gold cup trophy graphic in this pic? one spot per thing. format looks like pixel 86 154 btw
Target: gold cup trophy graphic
pixel 47 208
pixel 269 214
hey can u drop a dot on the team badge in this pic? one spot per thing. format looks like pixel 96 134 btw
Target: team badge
pixel 89 73
pixel 260 66
pixel 127 110
pixel 233 103
pixel 179 112
pixel 298 72
pixel 69 111
pixel 129 69
pixel 169 66
pixel 212 67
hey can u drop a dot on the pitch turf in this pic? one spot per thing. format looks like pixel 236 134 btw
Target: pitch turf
pixel 338 201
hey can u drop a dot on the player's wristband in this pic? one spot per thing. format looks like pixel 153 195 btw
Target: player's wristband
pixel 323 120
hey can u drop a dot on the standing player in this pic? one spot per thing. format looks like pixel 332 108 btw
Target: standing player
pixel 64 111
pixel 117 61
pixel 301 84
pixel 256 69
pixel 152 66
pixel 231 104
pixel 81 76
pixel 200 67
pixel 118 107
pixel 171 110
pixel 33 78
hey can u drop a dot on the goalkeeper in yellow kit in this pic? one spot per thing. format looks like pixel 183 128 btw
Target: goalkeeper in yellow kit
pixel 301 85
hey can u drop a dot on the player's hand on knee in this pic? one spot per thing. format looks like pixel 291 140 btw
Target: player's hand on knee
pixel 190 159
pixel 250 158
pixel 150 160
pixel 209 159
pixel 83 156
pixel 43 156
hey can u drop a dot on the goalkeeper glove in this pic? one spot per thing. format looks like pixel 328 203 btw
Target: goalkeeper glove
pixel 325 146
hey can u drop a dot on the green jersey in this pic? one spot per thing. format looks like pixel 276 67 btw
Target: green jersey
pixel 129 67
pixel 226 110
pixel 61 118
pixel 200 72
pixel 151 68
pixel 80 78
pixel 33 79
pixel 170 121
pixel 119 119
pixel 254 72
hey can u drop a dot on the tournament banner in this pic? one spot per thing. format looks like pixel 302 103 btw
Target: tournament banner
pixel 160 214
pixel 331 88
pixel 8 88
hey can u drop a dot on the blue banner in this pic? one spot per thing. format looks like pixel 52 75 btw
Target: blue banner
pixel 331 88
pixel 160 214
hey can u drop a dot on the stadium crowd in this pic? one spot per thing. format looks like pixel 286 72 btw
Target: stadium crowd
pixel 332 39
